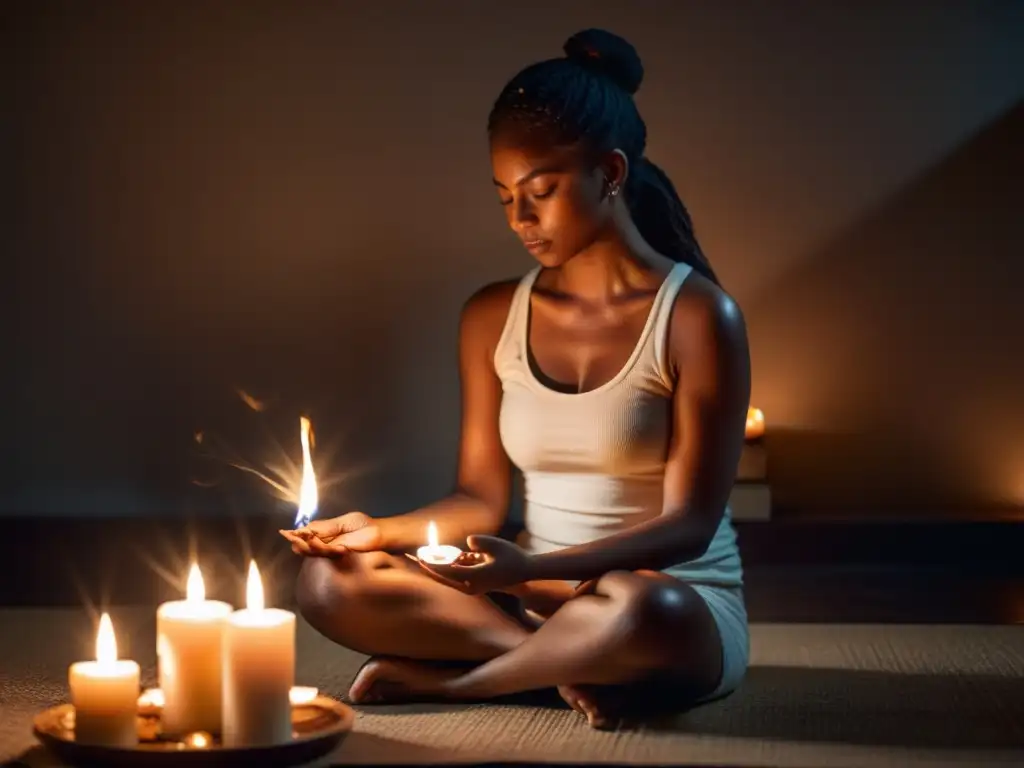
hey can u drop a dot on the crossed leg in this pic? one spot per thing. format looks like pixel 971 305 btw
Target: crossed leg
pixel 615 634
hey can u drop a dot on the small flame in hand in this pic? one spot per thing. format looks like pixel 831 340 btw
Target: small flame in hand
pixel 432 535
pixel 195 590
pixel 308 497
pixel 254 589
pixel 106 643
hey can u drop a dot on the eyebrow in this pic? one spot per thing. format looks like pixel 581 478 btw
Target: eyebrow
pixel 531 175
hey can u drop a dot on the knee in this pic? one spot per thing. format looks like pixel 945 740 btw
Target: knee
pixel 324 585
pixel 658 613
pixel 317 588
pixel 327 585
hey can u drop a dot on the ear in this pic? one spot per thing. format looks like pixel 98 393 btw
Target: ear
pixel 615 167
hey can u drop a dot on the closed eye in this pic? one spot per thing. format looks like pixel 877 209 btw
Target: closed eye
pixel 536 195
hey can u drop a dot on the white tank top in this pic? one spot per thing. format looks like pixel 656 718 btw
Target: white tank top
pixel 594 462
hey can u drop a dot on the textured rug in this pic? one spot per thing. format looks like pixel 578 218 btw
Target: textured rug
pixel 816 695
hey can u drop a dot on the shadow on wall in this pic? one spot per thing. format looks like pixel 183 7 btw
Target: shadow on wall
pixel 889 363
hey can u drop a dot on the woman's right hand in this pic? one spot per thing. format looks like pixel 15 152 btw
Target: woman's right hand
pixel 354 531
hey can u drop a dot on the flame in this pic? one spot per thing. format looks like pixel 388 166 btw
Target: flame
pixel 195 590
pixel 432 534
pixel 308 496
pixel 106 642
pixel 755 423
pixel 254 589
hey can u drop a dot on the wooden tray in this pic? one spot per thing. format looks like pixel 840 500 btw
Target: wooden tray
pixel 318 727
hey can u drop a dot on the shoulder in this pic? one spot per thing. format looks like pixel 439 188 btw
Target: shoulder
pixel 493 300
pixel 705 319
pixel 485 312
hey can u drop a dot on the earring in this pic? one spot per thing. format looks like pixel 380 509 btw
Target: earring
pixel 613 189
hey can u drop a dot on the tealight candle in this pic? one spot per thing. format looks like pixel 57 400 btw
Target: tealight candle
pixel 302 694
pixel 189 646
pixel 259 669
pixel 104 693
pixel 437 554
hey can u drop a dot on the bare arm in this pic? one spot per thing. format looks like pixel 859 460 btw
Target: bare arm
pixel 479 503
pixel 708 339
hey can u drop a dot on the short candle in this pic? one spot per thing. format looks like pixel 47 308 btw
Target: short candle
pixel 259 669
pixel 105 694
pixel 189 646
pixel 302 694
pixel 434 553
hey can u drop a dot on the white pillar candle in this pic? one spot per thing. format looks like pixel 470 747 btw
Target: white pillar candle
pixel 259 670
pixel 434 553
pixel 104 693
pixel 189 640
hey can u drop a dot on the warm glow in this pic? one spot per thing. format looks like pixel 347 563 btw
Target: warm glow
pixel 198 740
pixel 308 496
pixel 195 590
pixel 302 694
pixel 755 423
pixel 432 534
pixel 254 589
pixel 152 697
pixel 106 643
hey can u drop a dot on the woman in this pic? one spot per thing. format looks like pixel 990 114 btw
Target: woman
pixel 616 376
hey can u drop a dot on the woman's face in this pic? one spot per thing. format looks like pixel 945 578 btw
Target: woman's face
pixel 554 201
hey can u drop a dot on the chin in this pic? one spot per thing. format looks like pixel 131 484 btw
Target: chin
pixel 549 259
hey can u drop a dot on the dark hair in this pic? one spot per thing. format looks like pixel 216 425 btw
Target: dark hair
pixel 587 96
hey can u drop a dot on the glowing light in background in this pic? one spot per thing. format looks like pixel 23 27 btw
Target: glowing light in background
pixel 755 424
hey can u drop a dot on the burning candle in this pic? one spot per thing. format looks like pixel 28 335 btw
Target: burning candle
pixel 259 669
pixel 308 496
pixel 755 424
pixel 104 693
pixel 437 554
pixel 302 694
pixel 189 645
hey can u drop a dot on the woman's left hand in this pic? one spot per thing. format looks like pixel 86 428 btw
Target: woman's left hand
pixel 490 565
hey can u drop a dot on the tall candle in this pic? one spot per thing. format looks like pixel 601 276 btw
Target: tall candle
pixel 259 670
pixel 189 645
pixel 104 693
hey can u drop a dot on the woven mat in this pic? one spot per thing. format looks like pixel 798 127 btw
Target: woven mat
pixel 816 695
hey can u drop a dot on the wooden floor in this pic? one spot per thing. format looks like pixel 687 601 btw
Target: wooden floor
pixel 797 571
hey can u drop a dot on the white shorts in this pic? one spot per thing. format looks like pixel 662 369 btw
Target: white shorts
pixel 730 613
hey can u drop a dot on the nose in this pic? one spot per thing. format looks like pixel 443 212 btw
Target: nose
pixel 521 214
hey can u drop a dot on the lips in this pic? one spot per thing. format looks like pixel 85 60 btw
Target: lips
pixel 536 244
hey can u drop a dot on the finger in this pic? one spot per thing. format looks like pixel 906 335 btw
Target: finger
pixel 487 545
pixel 327 549
pixel 299 547
pixel 361 539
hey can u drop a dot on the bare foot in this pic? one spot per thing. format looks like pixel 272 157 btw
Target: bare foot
pixel 398 680
pixel 587 700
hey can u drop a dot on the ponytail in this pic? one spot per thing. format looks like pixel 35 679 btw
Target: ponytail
pixel 662 219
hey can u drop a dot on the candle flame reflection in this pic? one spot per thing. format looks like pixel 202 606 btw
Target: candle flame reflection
pixel 254 589
pixel 106 642
pixel 195 590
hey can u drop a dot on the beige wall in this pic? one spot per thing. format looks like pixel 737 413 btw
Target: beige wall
pixel 293 198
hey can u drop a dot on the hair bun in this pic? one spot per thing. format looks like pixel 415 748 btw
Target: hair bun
pixel 608 55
